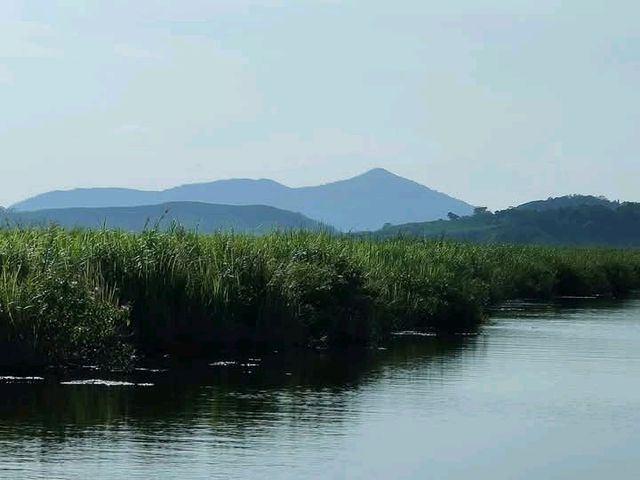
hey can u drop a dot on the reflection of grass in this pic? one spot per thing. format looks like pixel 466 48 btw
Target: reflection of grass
pixel 227 400
pixel 85 296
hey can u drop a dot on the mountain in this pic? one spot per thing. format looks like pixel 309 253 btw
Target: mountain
pixel 604 223
pixel 365 202
pixel 204 217
pixel 568 201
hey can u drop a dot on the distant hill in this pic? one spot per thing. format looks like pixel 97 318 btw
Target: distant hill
pixel 603 223
pixel 365 202
pixel 206 218
pixel 568 201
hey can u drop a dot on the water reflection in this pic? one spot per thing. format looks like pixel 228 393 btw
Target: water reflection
pixel 545 391
pixel 230 396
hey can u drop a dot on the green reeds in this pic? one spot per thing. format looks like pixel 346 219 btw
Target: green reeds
pixel 91 296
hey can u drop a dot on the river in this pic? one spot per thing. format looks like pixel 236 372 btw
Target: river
pixel 543 391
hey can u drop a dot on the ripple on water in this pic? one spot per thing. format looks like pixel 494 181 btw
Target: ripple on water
pixel 12 379
pixel 106 383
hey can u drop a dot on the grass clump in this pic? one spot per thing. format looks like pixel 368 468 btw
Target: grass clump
pixel 51 314
pixel 94 296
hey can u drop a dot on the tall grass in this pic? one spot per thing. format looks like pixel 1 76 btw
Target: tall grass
pixel 92 296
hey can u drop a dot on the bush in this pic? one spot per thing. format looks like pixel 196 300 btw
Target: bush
pixel 326 295
pixel 58 318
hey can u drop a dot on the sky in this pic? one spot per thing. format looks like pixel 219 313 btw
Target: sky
pixel 494 102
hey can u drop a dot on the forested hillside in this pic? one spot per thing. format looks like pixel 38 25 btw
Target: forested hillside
pixel 610 224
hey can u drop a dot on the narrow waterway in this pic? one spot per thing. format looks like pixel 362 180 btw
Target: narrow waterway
pixel 544 391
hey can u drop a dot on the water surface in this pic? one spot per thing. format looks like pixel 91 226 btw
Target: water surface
pixel 545 391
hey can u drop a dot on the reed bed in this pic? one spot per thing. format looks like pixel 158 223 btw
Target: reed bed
pixel 70 297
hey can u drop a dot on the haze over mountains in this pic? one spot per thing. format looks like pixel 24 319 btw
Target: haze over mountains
pixel 377 201
pixel 366 202
pixel 202 217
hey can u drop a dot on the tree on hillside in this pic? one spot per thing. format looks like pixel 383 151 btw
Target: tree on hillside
pixel 481 211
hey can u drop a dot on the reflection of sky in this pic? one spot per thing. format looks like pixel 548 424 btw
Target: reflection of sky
pixel 525 99
pixel 542 393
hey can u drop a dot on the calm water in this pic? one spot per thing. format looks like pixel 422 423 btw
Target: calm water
pixel 544 392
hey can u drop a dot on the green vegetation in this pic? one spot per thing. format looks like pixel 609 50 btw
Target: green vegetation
pixel 569 201
pixel 95 296
pixel 559 221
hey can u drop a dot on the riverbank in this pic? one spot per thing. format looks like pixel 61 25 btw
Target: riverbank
pixel 98 297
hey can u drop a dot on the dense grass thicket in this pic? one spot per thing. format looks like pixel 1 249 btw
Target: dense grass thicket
pixel 97 296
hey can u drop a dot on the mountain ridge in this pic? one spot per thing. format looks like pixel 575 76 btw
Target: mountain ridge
pixel 203 217
pixel 364 202
pixel 568 201
pixel 579 220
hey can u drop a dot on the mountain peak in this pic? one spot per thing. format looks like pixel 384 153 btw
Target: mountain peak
pixel 380 176
pixel 378 172
pixel 364 202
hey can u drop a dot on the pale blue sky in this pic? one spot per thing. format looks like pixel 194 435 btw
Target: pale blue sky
pixel 495 102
